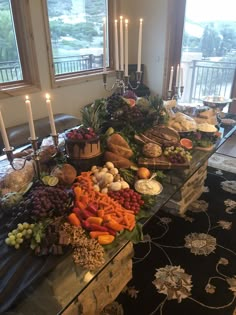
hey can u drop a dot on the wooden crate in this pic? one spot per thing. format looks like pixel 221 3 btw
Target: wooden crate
pixel 190 192
pixel 106 287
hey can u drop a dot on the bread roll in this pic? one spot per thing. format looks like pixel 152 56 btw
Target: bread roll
pixel 117 160
pixel 118 145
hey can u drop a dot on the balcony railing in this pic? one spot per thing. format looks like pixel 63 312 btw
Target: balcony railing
pixel 207 78
pixel 11 71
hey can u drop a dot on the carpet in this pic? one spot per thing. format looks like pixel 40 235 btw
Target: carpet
pixel 187 265
pixel 223 162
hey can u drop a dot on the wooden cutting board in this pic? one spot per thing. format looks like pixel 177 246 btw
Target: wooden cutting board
pixel 161 163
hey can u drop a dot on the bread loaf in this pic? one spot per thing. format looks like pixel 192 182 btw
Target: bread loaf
pixel 118 145
pixel 117 160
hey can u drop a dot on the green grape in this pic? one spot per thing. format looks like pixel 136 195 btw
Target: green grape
pixel 32 225
pixel 12 237
pixel 14 231
pixel 19 235
pixel 19 240
pixel 23 232
pixel 26 225
pixel 13 242
pixel 20 227
pixel 17 246
pixel 29 231
pixel 8 241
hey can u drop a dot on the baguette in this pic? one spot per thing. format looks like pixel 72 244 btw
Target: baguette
pixel 117 160
pixel 118 145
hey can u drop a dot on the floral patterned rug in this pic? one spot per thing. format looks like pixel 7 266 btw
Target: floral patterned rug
pixel 187 265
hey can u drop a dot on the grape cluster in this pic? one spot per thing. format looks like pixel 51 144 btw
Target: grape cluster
pixel 177 155
pixel 42 201
pixel 116 106
pixel 45 201
pixel 17 236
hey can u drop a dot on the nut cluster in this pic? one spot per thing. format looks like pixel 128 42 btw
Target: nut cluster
pixel 88 253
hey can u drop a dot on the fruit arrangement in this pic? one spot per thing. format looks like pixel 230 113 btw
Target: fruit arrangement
pixel 177 155
pixel 81 133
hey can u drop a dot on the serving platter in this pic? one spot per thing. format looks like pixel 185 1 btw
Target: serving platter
pixel 161 163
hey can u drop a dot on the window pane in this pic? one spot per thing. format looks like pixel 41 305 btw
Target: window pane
pixel 209 49
pixel 10 67
pixel 76 28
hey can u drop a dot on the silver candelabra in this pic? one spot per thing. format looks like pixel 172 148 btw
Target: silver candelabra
pixel 35 155
pixel 122 82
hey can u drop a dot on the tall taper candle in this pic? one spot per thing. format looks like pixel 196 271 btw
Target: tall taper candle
pixel 181 76
pixel 177 76
pixel 121 44
pixel 4 133
pixel 50 114
pixel 140 44
pixel 116 48
pixel 171 78
pixel 30 117
pixel 104 45
pixel 126 48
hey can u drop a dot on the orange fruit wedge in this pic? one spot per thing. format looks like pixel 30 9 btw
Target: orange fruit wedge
pixel 186 143
pixel 131 102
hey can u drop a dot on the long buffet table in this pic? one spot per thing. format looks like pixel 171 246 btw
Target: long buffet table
pixel 52 285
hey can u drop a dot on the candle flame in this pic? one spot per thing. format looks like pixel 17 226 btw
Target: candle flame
pixel 104 19
pixel 116 21
pixel 126 21
pixel 26 97
pixel 141 20
pixel 121 17
pixel 47 96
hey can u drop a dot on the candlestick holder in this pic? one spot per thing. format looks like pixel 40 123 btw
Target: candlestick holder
pixel 55 140
pixel 36 157
pixel 122 83
pixel 10 157
pixel 178 92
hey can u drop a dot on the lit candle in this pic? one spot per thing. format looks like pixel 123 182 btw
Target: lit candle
pixel 4 133
pixel 104 45
pixel 121 45
pixel 181 76
pixel 140 44
pixel 30 117
pixel 126 48
pixel 171 78
pixel 116 47
pixel 177 76
pixel 50 114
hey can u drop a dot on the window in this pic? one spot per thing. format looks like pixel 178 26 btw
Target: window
pixel 75 37
pixel 208 49
pixel 18 66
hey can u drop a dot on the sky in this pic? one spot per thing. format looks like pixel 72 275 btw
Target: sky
pixel 208 10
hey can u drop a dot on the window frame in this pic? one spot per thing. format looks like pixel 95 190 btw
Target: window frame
pixel 27 53
pixel 82 76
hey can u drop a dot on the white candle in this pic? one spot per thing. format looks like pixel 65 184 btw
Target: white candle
pixel 4 133
pixel 104 45
pixel 126 48
pixel 50 114
pixel 116 48
pixel 177 76
pixel 30 117
pixel 121 44
pixel 171 78
pixel 140 44
pixel 181 76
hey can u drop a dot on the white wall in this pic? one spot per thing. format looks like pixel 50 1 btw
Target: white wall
pixel 72 98
pixel 154 14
